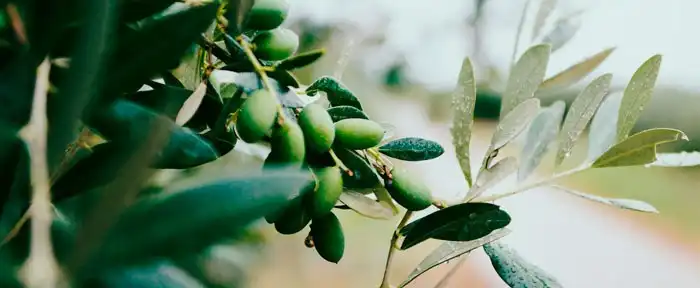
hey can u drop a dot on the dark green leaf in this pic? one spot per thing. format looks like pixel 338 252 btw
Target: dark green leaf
pixel 284 78
pixel 412 149
pixel 223 265
pixel 364 175
pixel 337 93
pixel 576 72
pixel 492 176
pixel 134 10
pixel 525 77
pixel 449 250
pixel 580 114
pixel 345 112
pixel 163 226
pixel 515 270
pixel 540 135
pixel 300 60
pixel 637 95
pixel 236 13
pixel 638 149
pixel 463 102
pixel 163 99
pixel 365 206
pixel 158 274
pixel 155 46
pixel 602 133
pixel 629 204
pixel 461 222
pixel 171 80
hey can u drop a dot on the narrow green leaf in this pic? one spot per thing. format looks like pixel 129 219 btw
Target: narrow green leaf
pixel 629 204
pixel 515 270
pixel 492 176
pixel 161 273
pixel 449 250
pixel 236 13
pixel 163 99
pixel 346 112
pixel 546 8
pixel 365 206
pixel 638 149
pixel 525 77
pixel 284 78
pixel 603 128
pixel 189 108
pixel 134 10
pixel 682 159
pixel 564 30
pixel 337 93
pixel 637 95
pixel 576 72
pixel 156 227
pixel 170 80
pixel 463 101
pixel 541 134
pixel 412 149
pixel 461 222
pixel 364 175
pixel 300 60
pixel 580 114
pixel 514 123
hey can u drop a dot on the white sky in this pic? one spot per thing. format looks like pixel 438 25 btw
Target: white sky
pixel 434 39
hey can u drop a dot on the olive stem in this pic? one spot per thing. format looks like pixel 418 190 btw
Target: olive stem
pixel 340 163
pixel 260 70
pixel 392 248
pixel 524 188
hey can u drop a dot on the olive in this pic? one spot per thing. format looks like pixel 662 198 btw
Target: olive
pixel 407 190
pixel 287 144
pixel 277 44
pixel 329 186
pixel 292 220
pixel 256 116
pixel 358 134
pixel 267 14
pixel 318 128
pixel 327 234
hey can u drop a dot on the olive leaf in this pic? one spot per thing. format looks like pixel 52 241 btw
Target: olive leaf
pixel 236 13
pixel 189 108
pixel 525 77
pixel 385 199
pixel 564 30
pixel 449 250
pixel 164 99
pixel 346 112
pixel 603 128
pixel 491 176
pixel 542 132
pixel 365 206
pixel 461 222
pixel 629 204
pixel 638 149
pixel 515 271
pixel 155 227
pixel 637 95
pixel 164 273
pixel 300 60
pixel 463 101
pixel 580 114
pixel 337 93
pixel 284 78
pixel 576 72
pixel 363 174
pixel 682 159
pixel 412 149
pixel 224 83
pixel 170 80
pixel 545 9
pixel 511 126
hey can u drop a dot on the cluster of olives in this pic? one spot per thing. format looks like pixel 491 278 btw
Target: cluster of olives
pixel 327 142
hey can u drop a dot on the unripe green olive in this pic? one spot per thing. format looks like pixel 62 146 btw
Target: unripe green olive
pixel 409 191
pixel 293 219
pixel 276 44
pixel 267 14
pixel 328 237
pixel 329 186
pixel 358 134
pixel 287 144
pixel 256 116
pixel 318 128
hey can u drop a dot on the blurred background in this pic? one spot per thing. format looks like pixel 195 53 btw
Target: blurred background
pixel 402 58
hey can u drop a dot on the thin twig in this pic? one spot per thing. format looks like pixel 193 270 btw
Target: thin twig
pixel 260 70
pixel 518 34
pixel 392 248
pixel 40 270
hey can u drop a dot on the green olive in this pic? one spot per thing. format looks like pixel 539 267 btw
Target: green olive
pixel 277 44
pixel 329 186
pixel 267 14
pixel 256 116
pixel 328 237
pixel 318 128
pixel 287 144
pixel 292 220
pixel 358 134
pixel 408 190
